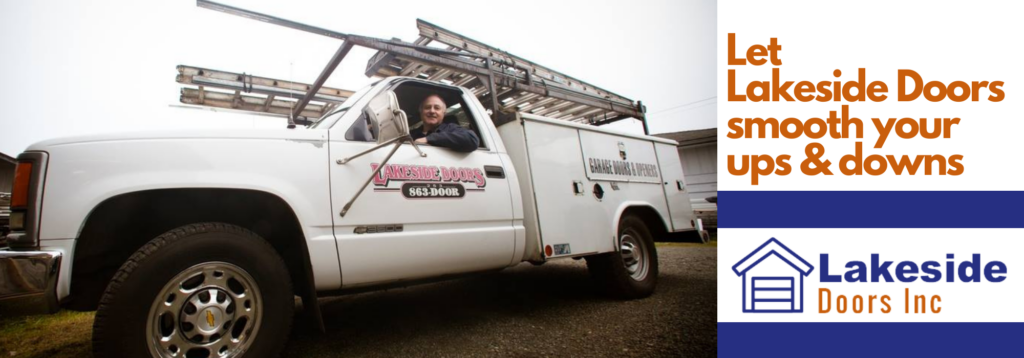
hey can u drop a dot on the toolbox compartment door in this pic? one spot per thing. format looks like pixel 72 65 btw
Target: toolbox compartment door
pixel 676 191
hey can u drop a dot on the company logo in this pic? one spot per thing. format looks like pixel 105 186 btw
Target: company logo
pixel 209 318
pixel 427 181
pixel 877 270
pixel 773 279
pixel 427 173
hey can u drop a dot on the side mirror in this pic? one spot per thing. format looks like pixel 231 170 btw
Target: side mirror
pixel 389 118
pixel 393 127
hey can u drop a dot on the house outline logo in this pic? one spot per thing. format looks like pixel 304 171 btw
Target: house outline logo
pixel 772 288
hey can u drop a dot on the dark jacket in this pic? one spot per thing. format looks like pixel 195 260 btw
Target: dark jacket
pixel 450 135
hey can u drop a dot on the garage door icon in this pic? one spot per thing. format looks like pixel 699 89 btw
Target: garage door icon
pixel 773 279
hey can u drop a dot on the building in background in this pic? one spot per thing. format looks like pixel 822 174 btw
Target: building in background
pixel 6 173
pixel 698 151
pixel 7 164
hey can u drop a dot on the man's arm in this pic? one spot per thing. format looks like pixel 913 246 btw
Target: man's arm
pixel 455 137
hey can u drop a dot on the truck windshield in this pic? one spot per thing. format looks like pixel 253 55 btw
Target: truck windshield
pixel 343 107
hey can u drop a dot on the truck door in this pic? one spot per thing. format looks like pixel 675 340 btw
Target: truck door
pixel 420 216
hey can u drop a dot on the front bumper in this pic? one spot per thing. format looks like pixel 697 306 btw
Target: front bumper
pixel 28 281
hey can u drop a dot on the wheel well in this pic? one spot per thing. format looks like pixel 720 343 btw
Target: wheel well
pixel 121 225
pixel 650 218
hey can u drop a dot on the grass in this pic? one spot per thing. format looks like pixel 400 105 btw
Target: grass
pixel 64 334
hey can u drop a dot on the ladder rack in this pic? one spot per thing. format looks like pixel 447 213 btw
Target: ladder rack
pixel 278 97
pixel 504 83
pixel 509 99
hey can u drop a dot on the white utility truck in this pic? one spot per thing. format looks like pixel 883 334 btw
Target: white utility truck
pixel 195 243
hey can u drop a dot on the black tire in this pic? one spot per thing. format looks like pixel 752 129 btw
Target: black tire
pixel 613 271
pixel 233 264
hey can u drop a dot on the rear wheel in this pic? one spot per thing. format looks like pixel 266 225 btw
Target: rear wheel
pixel 632 271
pixel 201 290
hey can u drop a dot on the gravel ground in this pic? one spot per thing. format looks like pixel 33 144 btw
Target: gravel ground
pixel 549 311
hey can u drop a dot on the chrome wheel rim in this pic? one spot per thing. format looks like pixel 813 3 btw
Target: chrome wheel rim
pixel 211 309
pixel 634 255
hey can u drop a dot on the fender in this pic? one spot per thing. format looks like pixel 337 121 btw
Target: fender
pixel 84 172
pixel 627 205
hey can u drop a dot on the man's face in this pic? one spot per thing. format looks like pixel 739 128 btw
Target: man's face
pixel 432 111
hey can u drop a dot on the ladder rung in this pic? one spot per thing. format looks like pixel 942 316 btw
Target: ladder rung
pixel 246 103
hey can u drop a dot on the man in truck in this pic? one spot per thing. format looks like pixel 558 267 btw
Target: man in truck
pixel 437 133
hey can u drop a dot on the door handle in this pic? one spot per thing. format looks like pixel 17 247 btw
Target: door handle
pixel 494 171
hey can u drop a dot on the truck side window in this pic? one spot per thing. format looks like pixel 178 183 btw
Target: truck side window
pixel 456 112
pixel 410 96
pixel 362 130
pixel 457 115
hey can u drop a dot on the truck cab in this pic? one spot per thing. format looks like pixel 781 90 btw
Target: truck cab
pixel 444 213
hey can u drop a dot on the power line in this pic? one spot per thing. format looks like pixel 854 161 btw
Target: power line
pixel 690 108
pixel 683 105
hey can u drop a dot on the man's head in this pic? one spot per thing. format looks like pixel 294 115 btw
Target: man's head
pixel 432 111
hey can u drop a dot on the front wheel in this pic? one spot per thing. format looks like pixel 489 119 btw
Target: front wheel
pixel 631 271
pixel 201 290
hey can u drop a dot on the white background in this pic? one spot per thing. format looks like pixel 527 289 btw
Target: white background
pixel 961 302
pixel 942 40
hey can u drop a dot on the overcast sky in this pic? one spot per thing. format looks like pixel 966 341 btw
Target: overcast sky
pixel 80 67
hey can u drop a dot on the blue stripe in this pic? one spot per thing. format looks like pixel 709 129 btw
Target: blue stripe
pixel 870 339
pixel 871 209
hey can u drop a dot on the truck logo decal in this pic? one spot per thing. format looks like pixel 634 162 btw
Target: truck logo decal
pixel 377 229
pixel 432 190
pixel 428 181
pixel 622 167
pixel 209 318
